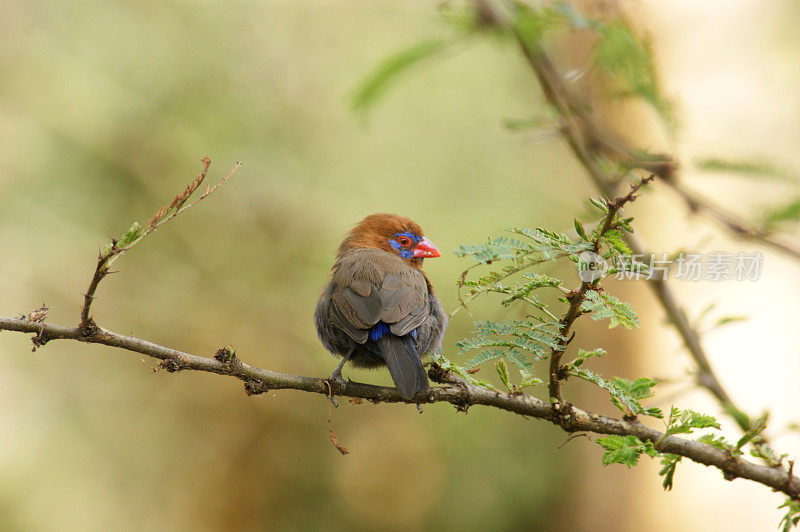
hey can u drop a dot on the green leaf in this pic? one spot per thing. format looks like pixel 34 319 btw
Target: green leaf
pixel 379 80
pixel 625 449
pixel 449 365
pixel 685 421
pixel 756 428
pixel 613 239
pixel 583 355
pixel 753 167
pixel 787 213
pixel 670 463
pixel 768 454
pixel 628 59
pixel 605 306
pixel 580 230
pixel 131 235
pixel 502 372
pixel 530 24
pixel 600 203
pixel 720 443
pixel 624 394
pixel 483 357
pixel 792 515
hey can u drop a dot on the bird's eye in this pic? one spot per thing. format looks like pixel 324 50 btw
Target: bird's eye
pixel 404 241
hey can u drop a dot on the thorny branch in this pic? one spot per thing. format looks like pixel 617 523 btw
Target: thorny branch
pixel 590 146
pixel 576 298
pixel 454 391
pixel 135 234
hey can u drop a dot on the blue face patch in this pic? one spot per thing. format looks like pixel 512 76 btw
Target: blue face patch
pixel 404 253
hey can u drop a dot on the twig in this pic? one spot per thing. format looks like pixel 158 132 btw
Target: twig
pixel 332 435
pixel 461 395
pixel 581 135
pixel 577 297
pixel 697 204
pixel 135 234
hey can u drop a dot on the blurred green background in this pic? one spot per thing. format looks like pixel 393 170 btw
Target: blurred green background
pixel 105 111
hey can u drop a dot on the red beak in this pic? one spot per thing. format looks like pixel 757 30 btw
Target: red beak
pixel 426 250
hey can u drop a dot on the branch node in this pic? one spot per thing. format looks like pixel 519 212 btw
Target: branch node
pixel 729 475
pixel 171 365
pixel 564 415
pixel 39 340
pixel 227 355
pixel 255 387
pixel 87 330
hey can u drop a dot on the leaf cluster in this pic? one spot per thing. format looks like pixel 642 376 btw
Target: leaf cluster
pixel 601 306
pixel 625 394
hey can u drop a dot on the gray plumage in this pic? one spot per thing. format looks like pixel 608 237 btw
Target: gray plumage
pixel 368 286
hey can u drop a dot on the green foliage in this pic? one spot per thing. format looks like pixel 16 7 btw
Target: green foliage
pixel 377 82
pixel 767 454
pixel 515 124
pixel 756 428
pixel 128 239
pixel 685 421
pixel 792 515
pixel 502 372
pixel 625 449
pixel 448 365
pixel 533 281
pixel 531 24
pixel 720 443
pixel 499 248
pixel 670 463
pixel 131 235
pixel 787 213
pixel 552 244
pixel 604 306
pixel 628 59
pixel 625 394
pixel 584 355
pixel 750 168
pixel 517 342
pixel 613 239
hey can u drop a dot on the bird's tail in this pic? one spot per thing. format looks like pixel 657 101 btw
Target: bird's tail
pixel 404 364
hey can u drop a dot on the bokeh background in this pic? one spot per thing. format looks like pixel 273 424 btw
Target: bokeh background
pixel 105 111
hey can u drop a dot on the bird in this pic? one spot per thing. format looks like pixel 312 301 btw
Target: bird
pixel 379 308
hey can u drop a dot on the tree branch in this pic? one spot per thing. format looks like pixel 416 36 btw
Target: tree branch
pixel 455 391
pixel 576 298
pixel 697 204
pixel 583 138
pixel 135 234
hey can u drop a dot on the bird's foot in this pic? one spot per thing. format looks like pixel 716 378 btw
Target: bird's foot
pixel 337 379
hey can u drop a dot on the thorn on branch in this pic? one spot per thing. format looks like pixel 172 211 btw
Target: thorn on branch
pixel 791 486
pixel 631 196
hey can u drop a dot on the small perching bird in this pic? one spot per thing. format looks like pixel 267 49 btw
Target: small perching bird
pixel 379 307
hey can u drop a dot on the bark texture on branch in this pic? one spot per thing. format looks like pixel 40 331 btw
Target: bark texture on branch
pixel 454 391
